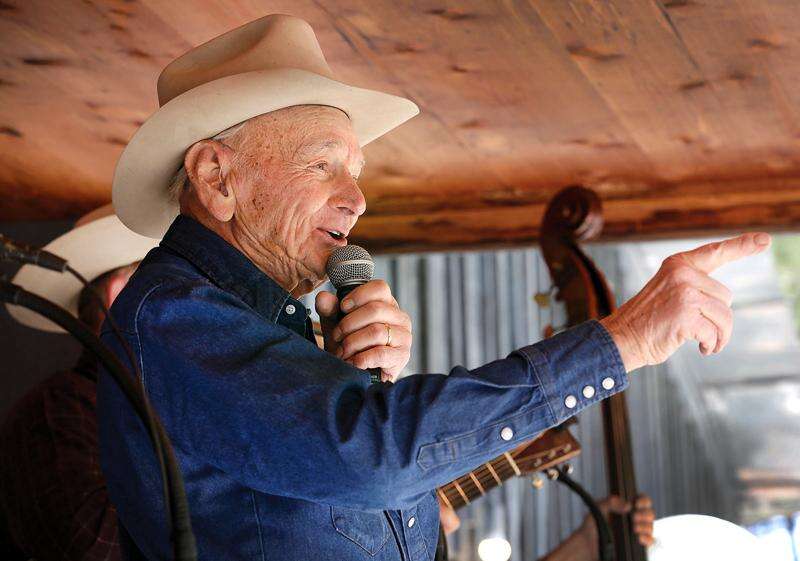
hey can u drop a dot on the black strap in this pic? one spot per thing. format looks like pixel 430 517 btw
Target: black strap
pixel 441 547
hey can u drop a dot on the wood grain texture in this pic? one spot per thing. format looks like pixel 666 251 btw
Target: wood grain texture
pixel 684 115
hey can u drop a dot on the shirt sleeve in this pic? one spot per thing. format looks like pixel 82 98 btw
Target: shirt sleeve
pixel 282 416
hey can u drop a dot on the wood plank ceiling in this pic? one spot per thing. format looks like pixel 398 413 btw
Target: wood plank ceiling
pixel 683 114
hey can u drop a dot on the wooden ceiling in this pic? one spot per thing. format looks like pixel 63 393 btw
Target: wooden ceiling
pixel 683 114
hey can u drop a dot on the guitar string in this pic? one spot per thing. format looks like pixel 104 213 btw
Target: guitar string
pixel 481 475
pixel 470 484
pixel 500 466
pixel 453 493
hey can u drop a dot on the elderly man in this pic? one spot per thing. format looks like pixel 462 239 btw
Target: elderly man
pixel 53 498
pixel 287 450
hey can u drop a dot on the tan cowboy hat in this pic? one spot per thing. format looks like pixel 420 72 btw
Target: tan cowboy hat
pixel 98 243
pixel 268 64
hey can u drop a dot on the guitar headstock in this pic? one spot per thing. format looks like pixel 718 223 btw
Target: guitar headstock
pixel 552 447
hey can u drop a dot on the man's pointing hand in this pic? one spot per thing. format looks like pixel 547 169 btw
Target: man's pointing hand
pixel 681 302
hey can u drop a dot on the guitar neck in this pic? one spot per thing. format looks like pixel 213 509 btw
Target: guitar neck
pixel 550 448
pixel 478 482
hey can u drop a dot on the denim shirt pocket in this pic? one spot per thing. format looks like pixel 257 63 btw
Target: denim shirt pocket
pixel 366 529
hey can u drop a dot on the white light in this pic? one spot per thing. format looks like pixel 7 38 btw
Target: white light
pixel 792 404
pixel 691 537
pixel 494 549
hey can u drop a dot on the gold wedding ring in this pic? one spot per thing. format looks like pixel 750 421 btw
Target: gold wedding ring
pixel 388 335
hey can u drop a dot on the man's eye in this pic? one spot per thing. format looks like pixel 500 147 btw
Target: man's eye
pixel 322 166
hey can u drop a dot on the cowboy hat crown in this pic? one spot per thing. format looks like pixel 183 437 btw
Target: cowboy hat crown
pixel 276 41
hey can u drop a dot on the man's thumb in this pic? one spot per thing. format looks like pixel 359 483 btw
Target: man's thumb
pixel 327 305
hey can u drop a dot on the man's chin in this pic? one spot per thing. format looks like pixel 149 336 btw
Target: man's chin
pixel 315 276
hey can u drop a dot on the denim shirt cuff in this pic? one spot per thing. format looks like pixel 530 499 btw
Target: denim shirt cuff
pixel 576 368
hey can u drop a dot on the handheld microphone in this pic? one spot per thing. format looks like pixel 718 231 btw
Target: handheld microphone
pixel 23 253
pixel 348 267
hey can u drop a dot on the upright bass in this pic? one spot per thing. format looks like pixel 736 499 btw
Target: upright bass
pixel 574 215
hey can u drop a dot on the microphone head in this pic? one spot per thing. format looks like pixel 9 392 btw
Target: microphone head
pixel 350 264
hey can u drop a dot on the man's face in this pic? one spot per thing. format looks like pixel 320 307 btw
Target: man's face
pixel 294 175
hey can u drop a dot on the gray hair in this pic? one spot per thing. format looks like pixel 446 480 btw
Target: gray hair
pixel 180 181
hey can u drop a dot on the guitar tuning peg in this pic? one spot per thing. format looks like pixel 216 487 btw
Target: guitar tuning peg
pixel 568 468
pixel 552 474
pixel 537 482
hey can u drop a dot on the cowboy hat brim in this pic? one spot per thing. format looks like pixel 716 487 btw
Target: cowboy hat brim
pixel 92 249
pixel 156 151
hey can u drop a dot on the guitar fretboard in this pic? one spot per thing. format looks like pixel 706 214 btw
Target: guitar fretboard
pixel 478 482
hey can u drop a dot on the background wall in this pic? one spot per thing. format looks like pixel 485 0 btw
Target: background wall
pixel 470 308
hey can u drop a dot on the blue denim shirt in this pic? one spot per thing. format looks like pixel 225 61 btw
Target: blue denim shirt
pixel 288 453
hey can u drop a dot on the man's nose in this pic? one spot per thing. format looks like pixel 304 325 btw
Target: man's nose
pixel 349 198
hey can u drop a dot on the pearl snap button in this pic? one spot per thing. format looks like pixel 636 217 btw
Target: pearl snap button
pixel 411 522
pixel 507 433
pixel 608 383
pixel 290 309
pixel 570 401
pixel 588 392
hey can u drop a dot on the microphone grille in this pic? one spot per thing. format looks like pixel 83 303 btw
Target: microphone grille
pixel 350 264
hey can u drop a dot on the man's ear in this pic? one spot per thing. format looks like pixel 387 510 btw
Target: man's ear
pixel 207 165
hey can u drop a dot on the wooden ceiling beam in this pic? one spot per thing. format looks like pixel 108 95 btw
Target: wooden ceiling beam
pixel 632 213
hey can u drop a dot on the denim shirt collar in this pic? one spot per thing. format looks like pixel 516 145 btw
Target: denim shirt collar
pixel 232 271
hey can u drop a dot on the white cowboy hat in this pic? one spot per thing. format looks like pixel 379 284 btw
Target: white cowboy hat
pixel 98 243
pixel 268 64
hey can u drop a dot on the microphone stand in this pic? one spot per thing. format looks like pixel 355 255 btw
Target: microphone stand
pixel 177 506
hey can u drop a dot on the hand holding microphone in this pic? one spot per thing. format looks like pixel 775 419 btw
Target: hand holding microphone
pixel 363 324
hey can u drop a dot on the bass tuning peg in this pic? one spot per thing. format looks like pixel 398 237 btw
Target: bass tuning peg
pixel 544 299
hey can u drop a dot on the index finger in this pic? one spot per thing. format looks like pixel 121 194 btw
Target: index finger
pixel 374 290
pixel 711 256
